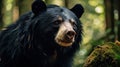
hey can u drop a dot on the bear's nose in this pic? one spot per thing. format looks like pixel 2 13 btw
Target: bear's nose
pixel 71 34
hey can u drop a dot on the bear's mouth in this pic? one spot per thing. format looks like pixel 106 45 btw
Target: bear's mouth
pixel 65 42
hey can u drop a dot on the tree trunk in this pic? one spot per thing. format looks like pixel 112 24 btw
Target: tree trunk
pixel 109 15
pixel 1 14
pixel 118 8
pixel 117 18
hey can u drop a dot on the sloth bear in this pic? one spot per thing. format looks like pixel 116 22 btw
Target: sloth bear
pixel 47 36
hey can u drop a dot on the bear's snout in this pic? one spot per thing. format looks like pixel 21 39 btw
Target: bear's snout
pixel 70 34
pixel 65 35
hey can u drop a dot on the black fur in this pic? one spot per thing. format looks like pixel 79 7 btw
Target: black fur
pixel 30 41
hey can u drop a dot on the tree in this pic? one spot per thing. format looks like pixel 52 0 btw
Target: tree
pixel 1 14
pixel 109 15
pixel 117 8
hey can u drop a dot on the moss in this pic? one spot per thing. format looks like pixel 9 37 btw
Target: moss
pixel 105 55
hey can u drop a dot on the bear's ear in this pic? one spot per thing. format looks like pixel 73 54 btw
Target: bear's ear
pixel 78 10
pixel 38 6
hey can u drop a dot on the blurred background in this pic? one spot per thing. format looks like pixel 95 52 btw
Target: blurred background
pixel 101 21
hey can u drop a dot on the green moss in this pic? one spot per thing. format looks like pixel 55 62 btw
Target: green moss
pixel 105 55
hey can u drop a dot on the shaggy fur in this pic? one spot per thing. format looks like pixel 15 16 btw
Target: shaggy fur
pixel 30 42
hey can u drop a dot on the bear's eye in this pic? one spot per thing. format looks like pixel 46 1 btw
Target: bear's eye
pixel 73 23
pixel 57 22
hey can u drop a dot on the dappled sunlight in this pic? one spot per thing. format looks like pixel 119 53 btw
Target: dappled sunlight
pixel 93 2
pixel 8 7
pixel 99 9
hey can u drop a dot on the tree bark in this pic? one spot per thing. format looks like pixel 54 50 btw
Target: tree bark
pixel 109 15
pixel 117 19
pixel 1 14
pixel 118 23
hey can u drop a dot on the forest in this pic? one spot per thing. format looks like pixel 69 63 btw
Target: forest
pixel 101 24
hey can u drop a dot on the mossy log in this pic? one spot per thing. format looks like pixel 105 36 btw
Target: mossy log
pixel 106 55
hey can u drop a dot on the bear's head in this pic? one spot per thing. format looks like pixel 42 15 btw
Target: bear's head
pixel 57 24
